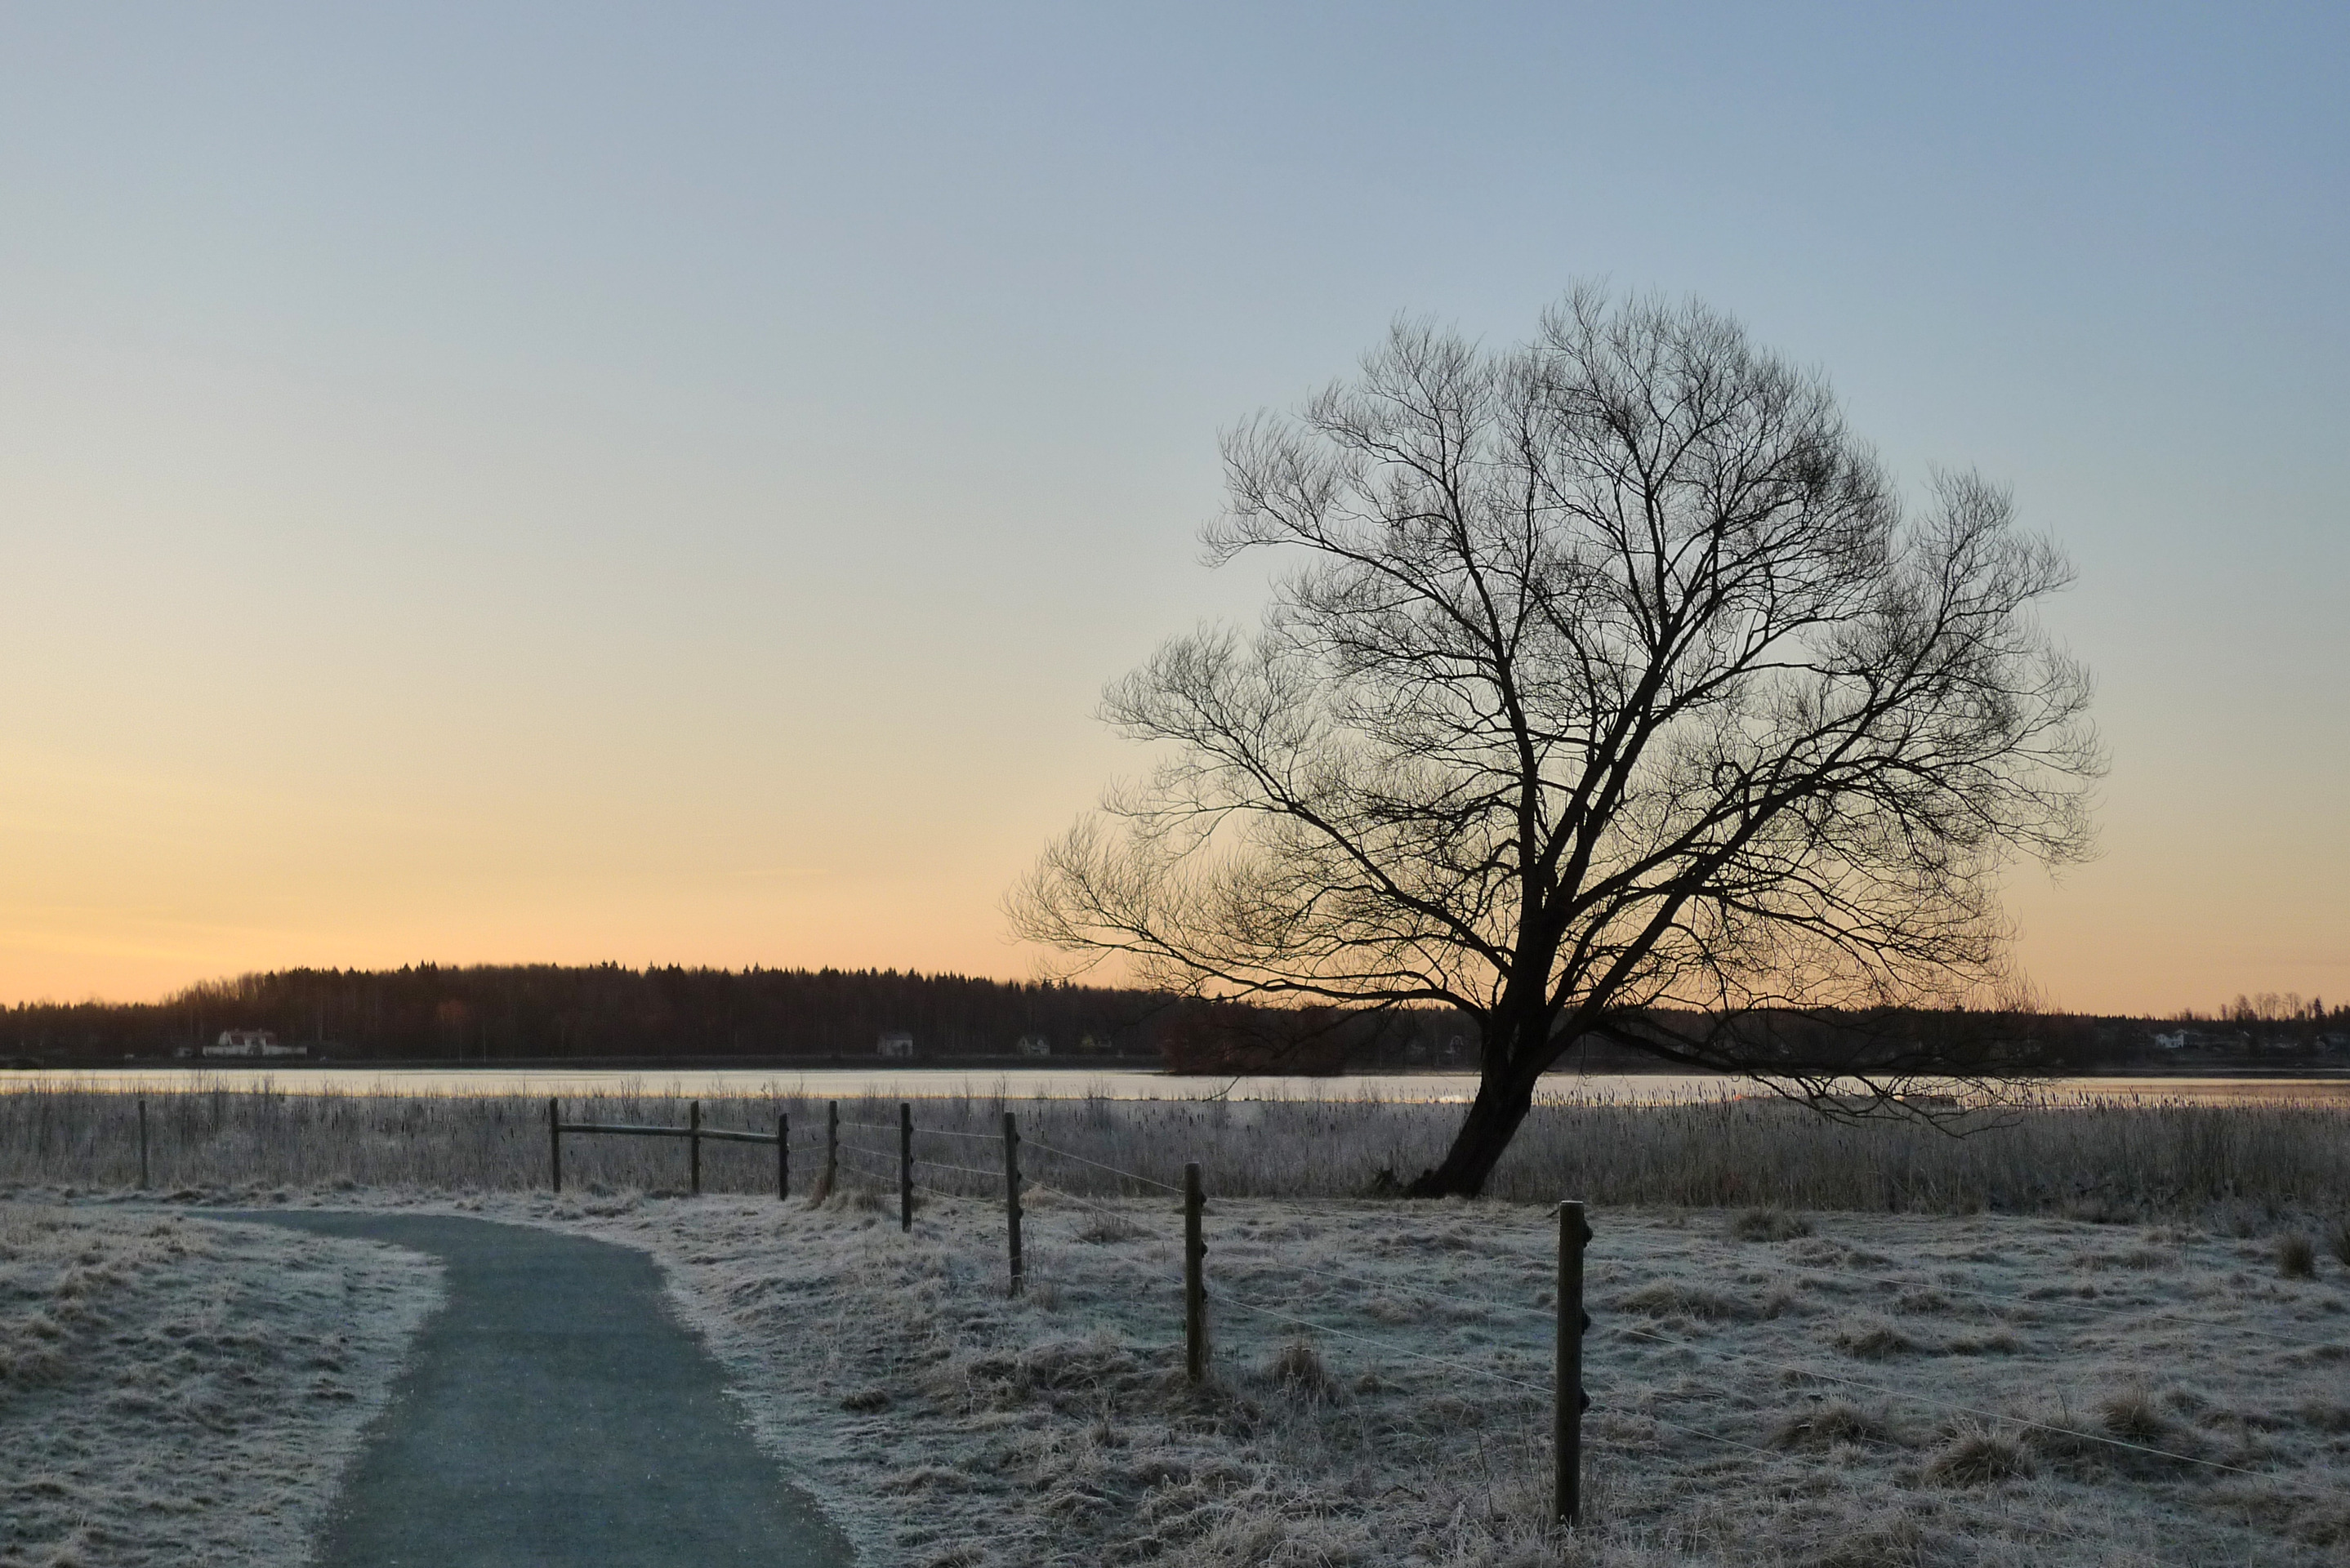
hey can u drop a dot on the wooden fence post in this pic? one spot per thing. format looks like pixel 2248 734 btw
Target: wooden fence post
pixel 783 1156
pixel 554 1145
pixel 905 1166
pixel 1012 1195
pixel 831 1146
pixel 1195 1287
pixel 693 1146
pixel 143 1183
pixel 1569 1400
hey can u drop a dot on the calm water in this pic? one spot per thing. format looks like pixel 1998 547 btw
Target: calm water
pixel 1067 1083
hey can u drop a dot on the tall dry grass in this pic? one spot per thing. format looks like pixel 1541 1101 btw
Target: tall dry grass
pixel 2113 1161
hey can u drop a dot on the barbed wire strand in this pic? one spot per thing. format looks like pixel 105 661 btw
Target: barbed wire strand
pixel 1933 1403
pixel 1070 1282
pixel 2010 1299
pixel 965 1170
pixel 1626 1411
pixel 1318 1272
pixel 2003 1520
pixel 1097 1165
pixel 1604 1246
pixel 1705 1248
pixel 1062 1194
pixel 1226 1297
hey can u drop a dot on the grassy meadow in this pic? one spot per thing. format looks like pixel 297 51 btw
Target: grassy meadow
pixel 2112 1335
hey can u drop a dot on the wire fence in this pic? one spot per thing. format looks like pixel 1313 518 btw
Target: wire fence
pixel 1303 1302
pixel 1262 1290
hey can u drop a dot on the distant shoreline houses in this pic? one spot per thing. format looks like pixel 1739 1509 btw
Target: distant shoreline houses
pixel 897 1044
pixel 250 1044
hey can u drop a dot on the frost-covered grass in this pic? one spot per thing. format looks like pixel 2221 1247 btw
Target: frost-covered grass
pixel 2109 1162
pixel 173 1392
pixel 1815 1344
pixel 1769 1387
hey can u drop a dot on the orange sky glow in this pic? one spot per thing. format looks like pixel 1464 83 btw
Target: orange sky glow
pixel 483 484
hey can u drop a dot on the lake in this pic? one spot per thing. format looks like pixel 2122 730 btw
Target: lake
pixel 1073 1083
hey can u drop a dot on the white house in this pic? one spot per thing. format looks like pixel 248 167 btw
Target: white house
pixel 249 1042
pixel 895 1043
pixel 1034 1045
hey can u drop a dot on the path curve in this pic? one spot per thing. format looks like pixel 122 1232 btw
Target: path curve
pixel 555 1412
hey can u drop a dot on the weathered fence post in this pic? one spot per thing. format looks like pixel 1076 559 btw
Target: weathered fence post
pixel 1012 1194
pixel 1569 1400
pixel 143 1182
pixel 905 1166
pixel 831 1146
pixel 1195 1287
pixel 554 1145
pixel 693 1146
pixel 783 1156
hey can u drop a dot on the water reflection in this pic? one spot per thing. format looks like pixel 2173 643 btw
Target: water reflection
pixel 1058 1083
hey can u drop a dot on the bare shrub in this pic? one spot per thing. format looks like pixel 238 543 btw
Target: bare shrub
pixel 1871 1339
pixel 1104 1228
pixel 1826 1425
pixel 857 1199
pixel 2135 1416
pixel 2243 1220
pixel 1671 1298
pixel 2296 1257
pixel 1298 1368
pixel 2325 1415
pixel 2131 1258
pixel 1976 1455
pixel 1768 1225
pixel 1892 1543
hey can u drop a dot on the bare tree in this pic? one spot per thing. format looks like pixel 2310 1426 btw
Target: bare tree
pixel 1610 685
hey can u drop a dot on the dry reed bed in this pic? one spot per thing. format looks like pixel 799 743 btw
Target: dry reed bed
pixel 2116 1162
pixel 173 1392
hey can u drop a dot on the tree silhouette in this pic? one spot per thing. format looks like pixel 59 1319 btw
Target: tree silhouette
pixel 1608 692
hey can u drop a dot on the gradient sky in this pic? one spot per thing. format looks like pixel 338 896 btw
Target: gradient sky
pixel 492 482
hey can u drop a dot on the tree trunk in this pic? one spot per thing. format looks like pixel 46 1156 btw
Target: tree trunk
pixel 1503 1097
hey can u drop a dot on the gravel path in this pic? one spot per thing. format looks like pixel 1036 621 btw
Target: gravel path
pixel 555 1412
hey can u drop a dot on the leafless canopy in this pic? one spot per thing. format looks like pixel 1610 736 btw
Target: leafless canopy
pixel 1609 674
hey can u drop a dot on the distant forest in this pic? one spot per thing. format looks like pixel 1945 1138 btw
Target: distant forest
pixel 604 1012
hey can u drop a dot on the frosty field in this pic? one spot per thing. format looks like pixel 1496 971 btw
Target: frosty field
pixel 1852 1396
pixel 1768 1388
pixel 177 1392
pixel 2115 1336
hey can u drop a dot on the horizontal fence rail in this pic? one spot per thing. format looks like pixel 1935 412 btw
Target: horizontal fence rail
pixel 694 1132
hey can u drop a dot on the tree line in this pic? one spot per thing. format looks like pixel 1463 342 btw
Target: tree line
pixel 532 1011
pixel 492 1013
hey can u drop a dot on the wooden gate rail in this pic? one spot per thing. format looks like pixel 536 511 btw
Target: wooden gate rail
pixel 694 1131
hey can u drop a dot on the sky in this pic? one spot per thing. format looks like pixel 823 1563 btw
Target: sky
pixel 667 484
